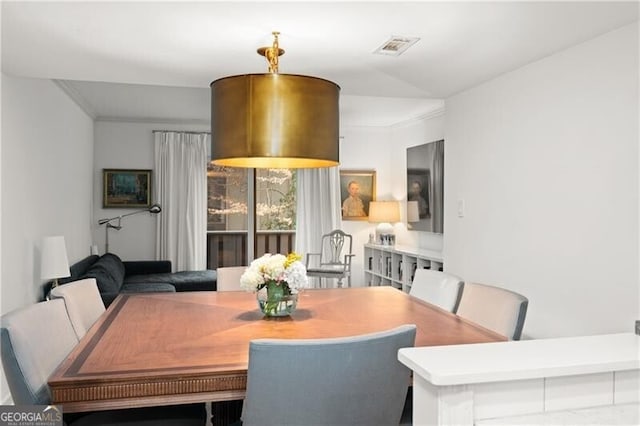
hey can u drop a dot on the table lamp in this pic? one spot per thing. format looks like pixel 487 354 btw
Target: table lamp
pixel 384 213
pixel 53 262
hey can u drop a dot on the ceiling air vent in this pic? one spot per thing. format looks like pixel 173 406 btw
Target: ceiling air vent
pixel 396 45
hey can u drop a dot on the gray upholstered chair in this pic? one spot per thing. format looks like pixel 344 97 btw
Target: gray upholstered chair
pixel 228 278
pixel 439 288
pixel 35 339
pixel 334 258
pixel 340 381
pixel 83 301
pixel 495 308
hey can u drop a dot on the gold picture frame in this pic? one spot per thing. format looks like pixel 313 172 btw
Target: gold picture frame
pixel 126 188
pixel 357 190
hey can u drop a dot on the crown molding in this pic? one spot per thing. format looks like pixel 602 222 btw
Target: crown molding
pixel 76 97
pixel 428 116
pixel 154 120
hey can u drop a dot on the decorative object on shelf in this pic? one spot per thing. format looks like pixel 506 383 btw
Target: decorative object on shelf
pixel 125 188
pixel 154 209
pixel 274 120
pixel 53 259
pixel 425 186
pixel 277 279
pixel 384 213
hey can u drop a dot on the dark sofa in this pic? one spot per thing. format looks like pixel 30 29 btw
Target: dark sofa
pixel 115 276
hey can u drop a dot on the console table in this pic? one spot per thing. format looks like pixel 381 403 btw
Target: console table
pixel 573 380
pixel 396 265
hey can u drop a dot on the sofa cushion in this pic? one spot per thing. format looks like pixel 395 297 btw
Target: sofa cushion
pixel 108 272
pixel 147 288
pixel 182 280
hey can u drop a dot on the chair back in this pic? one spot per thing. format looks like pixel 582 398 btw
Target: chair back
pixel 228 278
pixel 334 258
pixel 334 245
pixel 495 308
pixel 83 301
pixel 340 381
pixel 34 341
pixel 435 287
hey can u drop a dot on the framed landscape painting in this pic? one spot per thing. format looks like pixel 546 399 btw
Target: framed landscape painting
pixel 126 188
pixel 357 190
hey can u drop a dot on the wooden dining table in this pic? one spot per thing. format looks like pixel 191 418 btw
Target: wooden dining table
pixel 169 348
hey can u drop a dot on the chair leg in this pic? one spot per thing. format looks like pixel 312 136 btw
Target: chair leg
pixel 225 413
pixel 340 282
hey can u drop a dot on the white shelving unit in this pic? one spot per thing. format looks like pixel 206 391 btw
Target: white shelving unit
pixel 396 265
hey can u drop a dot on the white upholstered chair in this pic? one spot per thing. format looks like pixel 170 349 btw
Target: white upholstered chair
pixel 228 278
pixel 83 302
pixel 495 308
pixel 35 339
pixel 439 288
pixel 340 381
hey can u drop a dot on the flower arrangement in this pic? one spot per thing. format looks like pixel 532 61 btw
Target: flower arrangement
pixel 276 269
pixel 277 279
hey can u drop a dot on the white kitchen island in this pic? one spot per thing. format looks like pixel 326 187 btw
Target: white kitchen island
pixel 573 380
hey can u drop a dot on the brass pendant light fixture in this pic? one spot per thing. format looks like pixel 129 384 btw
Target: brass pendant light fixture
pixel 274 120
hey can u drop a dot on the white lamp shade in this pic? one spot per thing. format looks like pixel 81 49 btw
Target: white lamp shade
pixel 384 211
pixel 412 211
pixel 54 263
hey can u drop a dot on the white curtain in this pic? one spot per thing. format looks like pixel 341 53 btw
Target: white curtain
pixel 181 191
pixel 318 209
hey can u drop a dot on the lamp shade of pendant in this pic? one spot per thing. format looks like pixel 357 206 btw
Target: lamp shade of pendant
pixel 274 121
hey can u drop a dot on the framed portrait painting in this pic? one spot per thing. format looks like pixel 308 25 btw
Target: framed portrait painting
pixel 357 190
pixel 126 188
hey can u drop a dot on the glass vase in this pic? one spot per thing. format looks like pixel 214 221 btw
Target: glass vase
pixel 275 300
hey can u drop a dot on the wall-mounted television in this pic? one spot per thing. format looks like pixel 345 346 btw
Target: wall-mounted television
pixel 425 187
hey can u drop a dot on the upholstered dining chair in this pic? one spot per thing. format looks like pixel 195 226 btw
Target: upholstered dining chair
pixel 438 288
pixel 35 339
pixel 83 302
pixel 228 278
pixel 337 381
pixel 495 308
pixel 334 258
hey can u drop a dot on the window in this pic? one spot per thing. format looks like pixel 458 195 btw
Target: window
pixel 250 212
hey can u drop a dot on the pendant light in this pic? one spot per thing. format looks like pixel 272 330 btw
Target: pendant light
pixel 274 120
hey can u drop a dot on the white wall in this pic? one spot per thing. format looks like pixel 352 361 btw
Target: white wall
pixel 384 149
pixel 546 160
pixel 125 145
pixel 404 135
pixel 47 163
pixel 46 184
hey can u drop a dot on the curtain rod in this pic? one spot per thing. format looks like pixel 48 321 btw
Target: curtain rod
pixel 181 131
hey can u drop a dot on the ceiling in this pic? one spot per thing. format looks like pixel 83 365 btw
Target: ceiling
pixel 155 60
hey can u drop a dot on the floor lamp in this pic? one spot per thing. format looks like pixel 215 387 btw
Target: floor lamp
pixel 154 209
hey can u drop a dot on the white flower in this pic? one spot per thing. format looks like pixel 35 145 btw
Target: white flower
pixel 272 268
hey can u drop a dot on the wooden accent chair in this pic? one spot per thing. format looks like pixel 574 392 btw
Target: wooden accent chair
pixel 334 258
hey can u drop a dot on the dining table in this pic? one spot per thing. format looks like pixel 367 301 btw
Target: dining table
pixel 150 349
